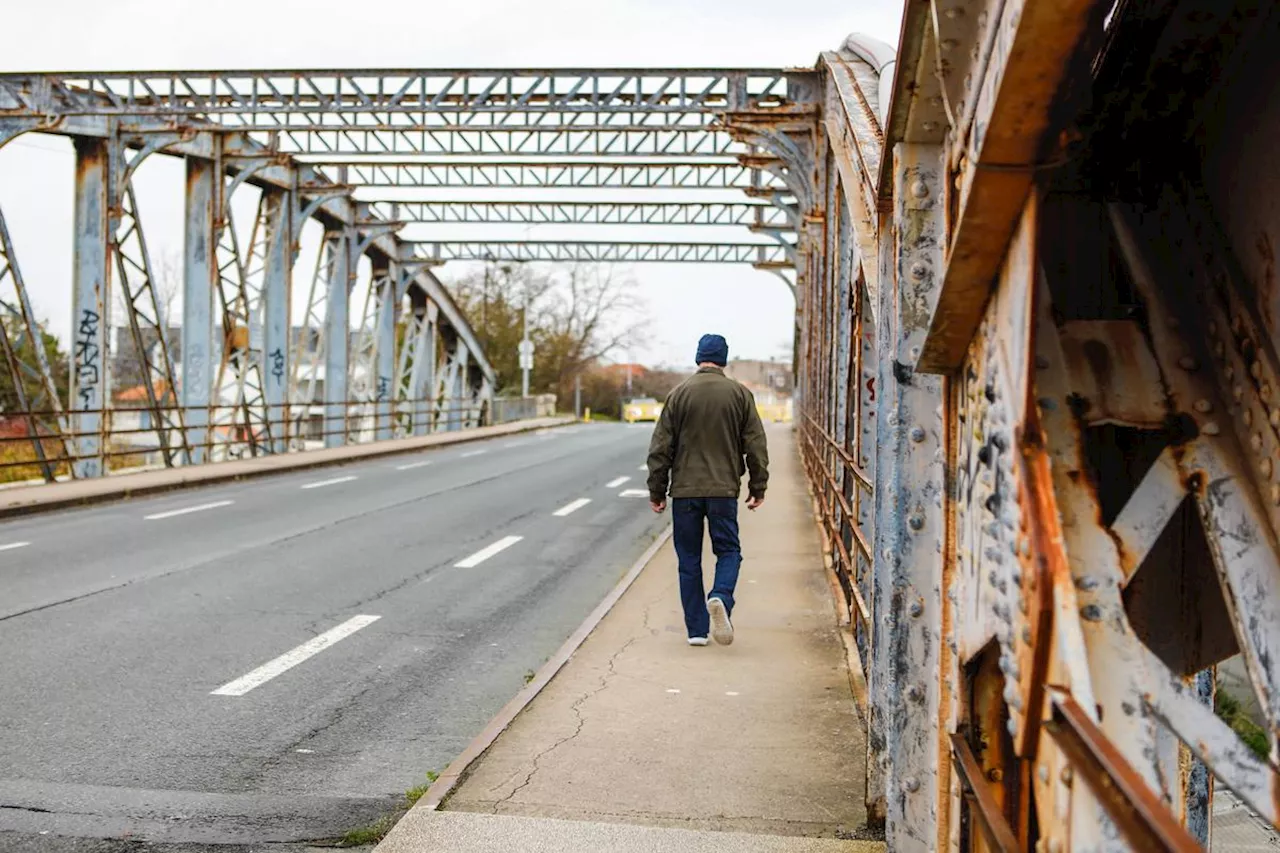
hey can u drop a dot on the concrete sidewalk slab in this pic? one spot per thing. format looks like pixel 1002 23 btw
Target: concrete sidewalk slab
pixel 473 833
pixel 52 496
pixel 639 728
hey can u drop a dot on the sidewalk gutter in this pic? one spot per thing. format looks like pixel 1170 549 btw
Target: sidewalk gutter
pixel 456 771
pixel 55 496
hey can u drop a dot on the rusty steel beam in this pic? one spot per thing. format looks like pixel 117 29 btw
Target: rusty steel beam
pixel 990 817
pixel 995 146
pixel 1135 808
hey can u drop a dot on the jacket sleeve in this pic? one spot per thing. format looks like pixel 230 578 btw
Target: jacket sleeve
pixel 662 452
pixel 756 448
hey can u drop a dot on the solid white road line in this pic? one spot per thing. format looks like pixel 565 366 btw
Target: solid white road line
pixel 13 545
pixel 201 508
pixel 511 444
pixel 633 493
pixel 485 553
pixel 413 465
pixel 613 484
pixel 570 508
pixel 473 453
pixel 332 482
pixel 290 659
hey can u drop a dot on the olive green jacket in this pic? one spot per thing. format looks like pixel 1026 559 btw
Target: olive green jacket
pixel 708 427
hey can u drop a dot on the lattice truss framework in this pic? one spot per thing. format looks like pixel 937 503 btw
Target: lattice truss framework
pixel 247 378
pixel 1001 602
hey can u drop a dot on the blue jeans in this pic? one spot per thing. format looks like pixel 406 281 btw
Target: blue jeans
pixel 721 516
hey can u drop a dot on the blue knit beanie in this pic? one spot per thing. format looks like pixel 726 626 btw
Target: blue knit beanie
pixel 714 349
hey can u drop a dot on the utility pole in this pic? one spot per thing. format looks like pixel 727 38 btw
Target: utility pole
pixel 526 349
pixel 577 396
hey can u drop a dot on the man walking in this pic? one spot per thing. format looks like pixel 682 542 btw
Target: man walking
pixel 707 429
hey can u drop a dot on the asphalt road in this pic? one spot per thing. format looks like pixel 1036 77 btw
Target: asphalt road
pixel 281 659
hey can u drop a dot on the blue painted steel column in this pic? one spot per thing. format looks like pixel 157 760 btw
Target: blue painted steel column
pixel 424 367
pixel 200 272
pixel 90 303
pixel 910 520
pixel 385 363
pixel 337 336
pixel 277 287
pixel 464 385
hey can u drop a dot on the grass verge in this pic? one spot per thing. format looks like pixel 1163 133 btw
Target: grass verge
pixel 376 831
pixel 1230 711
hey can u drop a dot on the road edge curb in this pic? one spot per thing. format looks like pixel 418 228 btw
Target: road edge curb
pixel 125 492
pixel 444 785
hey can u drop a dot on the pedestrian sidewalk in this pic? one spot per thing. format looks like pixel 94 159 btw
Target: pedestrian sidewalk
pixel 642 742
pixel 50 496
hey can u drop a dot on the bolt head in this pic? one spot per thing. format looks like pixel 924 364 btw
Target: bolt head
pixel 917 434
pixel 1188 363
pixel 920 189
pixel 911 784
pixel 1204 407
pixel 916 522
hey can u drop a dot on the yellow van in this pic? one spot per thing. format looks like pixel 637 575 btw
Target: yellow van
pixel 642 409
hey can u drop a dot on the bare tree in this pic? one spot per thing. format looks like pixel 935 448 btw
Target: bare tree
pixel 578 315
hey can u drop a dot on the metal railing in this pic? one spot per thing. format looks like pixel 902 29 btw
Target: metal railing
pixel 131 439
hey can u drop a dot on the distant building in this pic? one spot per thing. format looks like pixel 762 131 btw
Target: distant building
pixel 776 376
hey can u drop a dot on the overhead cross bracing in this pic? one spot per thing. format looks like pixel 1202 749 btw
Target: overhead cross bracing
pixel 723 148
pixel 604 252
pixel 561 174
pixel 312 100
pixel 604 212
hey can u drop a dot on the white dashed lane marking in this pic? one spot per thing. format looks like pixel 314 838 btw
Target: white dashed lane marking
pixel 571 507
pixel 201 508
pixel 332 482
pixel 292 658
pixel 412 465
pixel 485 553
pixel 13 545
pixel 614 483
pixel 633 493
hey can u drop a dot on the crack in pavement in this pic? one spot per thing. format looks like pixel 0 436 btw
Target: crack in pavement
pixel 32 809
pixel 576 707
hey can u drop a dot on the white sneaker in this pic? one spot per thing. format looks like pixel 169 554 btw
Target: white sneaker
pixel 697 641
pixel 721 627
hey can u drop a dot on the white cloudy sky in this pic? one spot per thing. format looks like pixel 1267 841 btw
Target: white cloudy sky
pixel 752 309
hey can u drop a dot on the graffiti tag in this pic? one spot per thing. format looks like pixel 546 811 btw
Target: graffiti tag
pixel 87 353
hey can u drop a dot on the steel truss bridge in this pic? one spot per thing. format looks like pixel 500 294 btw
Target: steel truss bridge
pixel 1036 349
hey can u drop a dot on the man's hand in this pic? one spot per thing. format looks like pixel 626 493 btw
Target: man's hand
pixel 754 502
pixel 658 506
